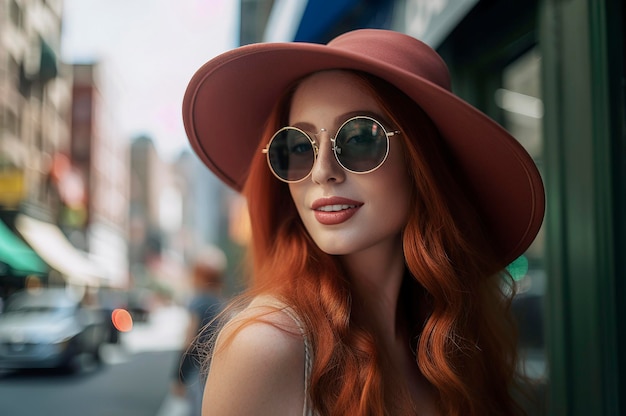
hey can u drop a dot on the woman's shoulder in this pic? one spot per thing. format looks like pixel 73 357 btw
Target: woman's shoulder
pixel 265 323
pixel 258 363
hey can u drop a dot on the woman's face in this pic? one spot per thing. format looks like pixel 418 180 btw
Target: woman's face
pixel 346 212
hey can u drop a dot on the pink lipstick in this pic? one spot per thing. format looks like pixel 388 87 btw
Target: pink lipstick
pixel 334 210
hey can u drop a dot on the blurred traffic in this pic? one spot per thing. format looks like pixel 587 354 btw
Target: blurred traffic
pixel 49 328
pixel 132 378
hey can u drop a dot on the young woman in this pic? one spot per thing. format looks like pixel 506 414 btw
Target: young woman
pixel 384 210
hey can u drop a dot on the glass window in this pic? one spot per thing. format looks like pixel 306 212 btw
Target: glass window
pixel 16 14
pixel 520 101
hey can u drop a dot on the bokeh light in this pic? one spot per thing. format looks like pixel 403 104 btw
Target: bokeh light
pixel 122 320
pixel 519 268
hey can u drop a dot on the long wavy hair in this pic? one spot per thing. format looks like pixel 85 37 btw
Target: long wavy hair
pixel 454 301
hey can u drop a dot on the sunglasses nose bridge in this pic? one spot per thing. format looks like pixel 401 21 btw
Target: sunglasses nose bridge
pixel 333 141
pixel 321 149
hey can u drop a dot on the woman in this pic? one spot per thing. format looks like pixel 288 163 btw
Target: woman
pixel 380 231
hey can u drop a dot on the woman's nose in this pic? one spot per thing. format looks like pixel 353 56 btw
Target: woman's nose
pixel 326 168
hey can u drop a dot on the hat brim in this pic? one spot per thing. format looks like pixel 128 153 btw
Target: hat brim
pixel 229 100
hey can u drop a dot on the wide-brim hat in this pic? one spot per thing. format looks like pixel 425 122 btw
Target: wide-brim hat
pixel 229 100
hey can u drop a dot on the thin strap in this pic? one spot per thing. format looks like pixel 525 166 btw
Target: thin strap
pixel 308 357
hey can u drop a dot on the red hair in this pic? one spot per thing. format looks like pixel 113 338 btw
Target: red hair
pixel 456 306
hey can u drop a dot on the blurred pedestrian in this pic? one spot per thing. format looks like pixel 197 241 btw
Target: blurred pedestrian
pixel 206 303
pixel 384 210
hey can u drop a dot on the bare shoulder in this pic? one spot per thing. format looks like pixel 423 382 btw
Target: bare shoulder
pixel 257 366
pixel 263 327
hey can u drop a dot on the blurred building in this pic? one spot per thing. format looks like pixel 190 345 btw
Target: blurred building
pixel 552 73
pixel 207 206
pixel 176 208
pixel 35 99
pixel 147 172
pixel 254 17
pixel 98 219
pixel 159 238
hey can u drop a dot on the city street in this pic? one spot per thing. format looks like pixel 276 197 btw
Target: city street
pixel 133 381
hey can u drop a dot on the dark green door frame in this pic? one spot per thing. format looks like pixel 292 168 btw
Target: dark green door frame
pixel 582 47
pixel 582 130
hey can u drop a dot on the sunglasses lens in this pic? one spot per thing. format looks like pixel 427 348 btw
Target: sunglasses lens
pixel 291 154
pixel 362 145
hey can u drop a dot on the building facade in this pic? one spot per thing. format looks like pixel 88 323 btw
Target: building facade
pixel 63 177
pixel 99 158
pixel 35 97
pixel 34 102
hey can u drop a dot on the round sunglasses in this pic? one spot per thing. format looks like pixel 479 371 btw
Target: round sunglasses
pixel 361 145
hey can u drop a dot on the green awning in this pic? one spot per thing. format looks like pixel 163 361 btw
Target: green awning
pixel 20 258
pixel 48 67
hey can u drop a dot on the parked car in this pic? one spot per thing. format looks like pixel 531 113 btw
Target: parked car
pixel 49 328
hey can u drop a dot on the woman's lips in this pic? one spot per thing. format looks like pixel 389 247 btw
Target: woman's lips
pixel 334 210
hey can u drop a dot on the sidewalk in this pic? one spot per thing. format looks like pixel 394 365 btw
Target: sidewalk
pixel 164 331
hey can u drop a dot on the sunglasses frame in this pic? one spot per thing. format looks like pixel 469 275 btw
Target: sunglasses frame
pixel 335 149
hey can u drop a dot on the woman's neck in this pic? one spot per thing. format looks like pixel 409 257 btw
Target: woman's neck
pixel 376 276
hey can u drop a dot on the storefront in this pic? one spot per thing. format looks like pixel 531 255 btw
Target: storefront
pixel 18 263
pixel 553 74
pixel 72 266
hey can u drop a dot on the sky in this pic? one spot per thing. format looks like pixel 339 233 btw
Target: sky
pixel 147 51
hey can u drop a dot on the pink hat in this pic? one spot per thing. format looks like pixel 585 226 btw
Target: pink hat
pixel 229 99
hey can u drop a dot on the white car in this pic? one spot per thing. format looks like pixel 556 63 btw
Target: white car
pixel 49 328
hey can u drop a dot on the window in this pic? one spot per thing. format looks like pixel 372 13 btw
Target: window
pixel 519 99
pixel 15 12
